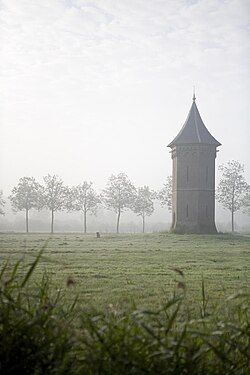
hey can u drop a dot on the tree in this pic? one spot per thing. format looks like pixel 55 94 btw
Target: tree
pixel 119 195
pixel 143 203
pixel 55 197
pixel 165 194
pixel 232 187
pixel 2 203
pixel 26 196
pixel 85 199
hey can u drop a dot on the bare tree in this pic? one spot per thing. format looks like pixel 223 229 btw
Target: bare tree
pixel 25 196
pixel 119 195
pixel 85 199
pixel 232 187
pixel 56 196
pixel 143 204
pixel 2 203
pixel 165 194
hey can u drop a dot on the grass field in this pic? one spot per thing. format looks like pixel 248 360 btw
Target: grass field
pixel 121 269
pixel 127 319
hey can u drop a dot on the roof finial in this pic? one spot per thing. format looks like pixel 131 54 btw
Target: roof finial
pixel 194 94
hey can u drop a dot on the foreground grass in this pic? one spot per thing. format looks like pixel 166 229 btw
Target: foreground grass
pixel 41 333
pixel 125 269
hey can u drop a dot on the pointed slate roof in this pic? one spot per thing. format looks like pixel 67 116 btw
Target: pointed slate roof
pixel 194 131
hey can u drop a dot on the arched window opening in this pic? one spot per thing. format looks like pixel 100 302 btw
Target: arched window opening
pixel 206 211
pixel 187 210
pixel 187 174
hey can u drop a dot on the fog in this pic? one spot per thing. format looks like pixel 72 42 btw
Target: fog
pixel 91 88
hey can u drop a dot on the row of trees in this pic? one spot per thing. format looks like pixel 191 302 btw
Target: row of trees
pixel 120 194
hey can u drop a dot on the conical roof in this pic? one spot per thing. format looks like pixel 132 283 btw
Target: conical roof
pixel 194 131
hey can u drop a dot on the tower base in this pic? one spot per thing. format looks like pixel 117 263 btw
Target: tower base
pixel 195 228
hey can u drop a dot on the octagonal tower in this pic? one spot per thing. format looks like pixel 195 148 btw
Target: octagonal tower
pixel 193 154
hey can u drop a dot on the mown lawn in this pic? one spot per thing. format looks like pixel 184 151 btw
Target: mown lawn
pixel 122 269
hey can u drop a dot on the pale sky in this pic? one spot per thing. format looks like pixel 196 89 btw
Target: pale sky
pixel 91 88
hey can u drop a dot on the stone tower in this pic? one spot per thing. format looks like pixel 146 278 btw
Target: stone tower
pixel 193 155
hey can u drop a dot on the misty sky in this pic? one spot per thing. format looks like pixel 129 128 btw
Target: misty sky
pixel 90 88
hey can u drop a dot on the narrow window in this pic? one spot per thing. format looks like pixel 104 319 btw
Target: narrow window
pixel 206 175
pixel 187 211
pixel 206 211
pixel 187 174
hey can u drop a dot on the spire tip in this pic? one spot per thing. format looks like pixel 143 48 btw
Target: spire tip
pixel 194 94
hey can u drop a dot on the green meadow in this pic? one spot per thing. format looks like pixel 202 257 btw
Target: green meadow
pixel 135 269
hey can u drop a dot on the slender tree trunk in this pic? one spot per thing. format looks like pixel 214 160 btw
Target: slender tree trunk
pixel 232 211
pixel 232 214
pixel 52 221
pixel 118 221
pixel 143 223
pixel 85 221
pixel 27 220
